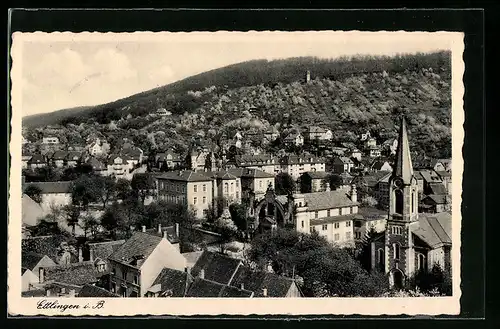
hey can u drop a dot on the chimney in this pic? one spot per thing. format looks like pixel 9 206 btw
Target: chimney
pixel 80 255
pixel 354 194
pixel 159 228
pixel 270 268
pixel 202 274
pixel 165 235
pixel 91 252
pixel 327 187
pixel 242 286
pixel 72 293
pixel 187 270
pixel 47 293
pixel 41 275
pixel 264 292
pixel 63 290
pixel 177 229
pixel 144 228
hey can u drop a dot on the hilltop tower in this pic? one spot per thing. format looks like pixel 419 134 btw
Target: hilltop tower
pixel 403 211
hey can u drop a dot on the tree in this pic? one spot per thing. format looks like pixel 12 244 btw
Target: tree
pixel 238 214
pixel 113 219
pixel 123 189
pixel 326 270
pixel 46 227
pixel 104 189
pixel 72 215
pixel 285 184
pixel 144 185
pixel 90 224
pixel 83 192
pixel 225 226
pixel 334 180
pixel 34 192
pixel 369 201
pixel 435 281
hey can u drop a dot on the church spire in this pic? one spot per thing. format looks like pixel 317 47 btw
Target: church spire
pixel 403 166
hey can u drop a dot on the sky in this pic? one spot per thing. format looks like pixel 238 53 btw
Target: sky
pixel 61 71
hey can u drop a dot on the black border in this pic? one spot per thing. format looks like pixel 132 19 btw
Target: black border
pixel 469 21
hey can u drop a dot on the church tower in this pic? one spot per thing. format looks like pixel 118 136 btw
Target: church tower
pixel 403 210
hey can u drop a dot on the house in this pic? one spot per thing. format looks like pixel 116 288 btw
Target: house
pixel 202 288
pixel 337 150
pixel 430 177
pixel 50 140
pixel 374 151
pixel 295 139
pixel 264 162
pixel 317 133
pixel 59 158
pixel 171 233
pixel 31 211
pixel 37 161
pixel 253 181
pixel 446 179
pixel 73 158
pixel 186 187
pixel 342 164
pixel 98 148
pixel 271 135
pixel 92 291
pixel 97 166
pixel 365 136
pixel 381 189
pixel 313 181
pixel 199 160
pixel 119 166
pixel 163 112
pixel 370 142
pixel 31 263
pixel 410 241
pixel 297 165
pixel 346 180
pixel 391 146
pixel 435 203
pixel 225 185
pixel 265 284
pixel 54 194
pixel 356 154
pixel 99 252
pixel 369 218
pixel 169 159
pixel 133 155
pixel 136 264
pixel 170 283
pixel 380 165
pixel 25 159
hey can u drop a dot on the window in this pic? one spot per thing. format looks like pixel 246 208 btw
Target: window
pixel 204 199
pixel 396 250
pixel 232 187
pixel 412 202
pixel 325 227
pixel 350 210
pixel 357 235
pixel 421 262
pixel 136 279
pixel 113 271
pixel 315 214
pixel 204 187
pixel 399 201
pixel 124 275
pixel 328 213
pixel 237 184
pixel 357 223
pixel 336 237
pixel 348 224
pixel 237 195
pixel 113 287
pixel 226 188
pixel 337 225
pixel 348 235
pixel 205 212
pixel 340 211
pixel 397 230
pixel 260 184
pixel 300 204
pixel 196 188
pixel 195 200
pixel 380 257
pixel 124 292
pixel 302 224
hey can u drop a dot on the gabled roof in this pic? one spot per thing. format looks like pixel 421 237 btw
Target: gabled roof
pixel 34 293
pixel 136 249
pixel 52 187
pixel 438 189
pixel 217 267
pixel 192 257
pixel 316 130
pixel 377 165
pixel 77 274
pixel 435 198
pixel 327 200
pixel 184 175
pixel 174 281
pixel 220 174
pixel 443 174
pixel 435 229
pixel 74 156
pixel 430 176
pixel 30 211
pixel 37 158
pixel 59 155
pixel 172 236
pixel 105 249
pixel 207 288
pixel 370 213
pixel 29 260
pixel 292 136
pixel 249 173
pixel 89 290
pixel 335 219
pixel 96 164
pixel 277 286
pixel 403 166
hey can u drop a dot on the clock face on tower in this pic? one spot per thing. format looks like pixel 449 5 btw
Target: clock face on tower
pixel 398 182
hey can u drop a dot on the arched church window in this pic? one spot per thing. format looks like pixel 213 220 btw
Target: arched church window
pixel 396 250
pixel 413 202
pixel 380 257
pixel 399 201
pixel 421 262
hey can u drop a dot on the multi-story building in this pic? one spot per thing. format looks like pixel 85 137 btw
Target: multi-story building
pixel 37 161
pixel 225 185
pixel 313 181
pixel 137 263
pixel 50 140
pixel 342 164
pixel 253 181
pixel 118 166
pixel 54 194
pixel 297 165
pixel 264 162
pixel 186 187
pixel 319 134
pixel 294 139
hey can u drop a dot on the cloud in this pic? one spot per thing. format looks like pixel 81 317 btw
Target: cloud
pixel 164 75
pixel 112 65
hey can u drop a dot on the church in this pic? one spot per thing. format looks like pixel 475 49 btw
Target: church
pixel 411 241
